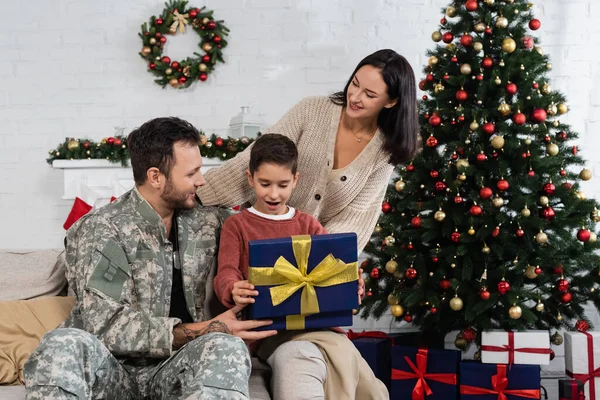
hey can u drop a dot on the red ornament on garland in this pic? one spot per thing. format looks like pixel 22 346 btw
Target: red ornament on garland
pixel 458 199
pixel 475 210
pixel 386 207
pixel 431 141
pixel 558 269
pixel 415 222
pixel 488 128
pixel 440 186
pixel 547 213
pixel 566 297
pixel 203 77
pixel 455 237
pixel 410 246
pixel 433 310
pixel 466 40
pixel 217 39
pixel 206 58
pixel 454 59
pixel 435 259
pixel 447 37
pixel 496 232
pixel 547 139
pixel 446 77
pixel 165 60
pixel 582 325
pixel 502 185
pixel 562 285
pixel 175 64
pixel 511 89
pixel 110 140
pixel 118 142
pixel 538 270
pixel 462 95
pixel 531 172
pixel 562 172
pixel 549 188
pixel 534 24
pixel 193 13
pixel 519 118
pixel 445 284
pixel 471 5
pixel 461 118
pixel 435 120
pixel 163 39
pixel 211 25
pixel 434 174
pixel 410 273
pixel 538 115
pixel 422 84
pixel 562 135
pixel 574 150
pixel 583 235
pixel 481 157
pixel 159 21
pixel 429 78
pixel 485 193
pixel 503 287
pixel 219 142
pixel 375 273
pixel 552 355
pixel 484 294
pixel 86 145
pixel 487 62
pixel 152 66
pixel 520 232
pixel 410 168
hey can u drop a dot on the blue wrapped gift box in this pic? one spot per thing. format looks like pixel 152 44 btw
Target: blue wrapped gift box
pixel 489 381
pixel 335 294
pixel 378 354
pixel 439 369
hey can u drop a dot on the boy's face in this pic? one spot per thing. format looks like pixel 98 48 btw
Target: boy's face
pixel 273 185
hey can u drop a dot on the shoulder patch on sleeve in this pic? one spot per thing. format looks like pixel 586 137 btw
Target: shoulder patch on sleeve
pixel 111 270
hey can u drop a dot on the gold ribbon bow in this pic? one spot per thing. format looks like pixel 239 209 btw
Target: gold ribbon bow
pixel 180 20
pixel 287 279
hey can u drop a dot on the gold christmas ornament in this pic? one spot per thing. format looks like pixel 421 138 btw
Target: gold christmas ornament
pixel 462 164
pixel 559 317
pixel 146 50
pixel 556 339
pixel 456 303
pixel 207 47
pixel 515 312
pixel 174 82
pixel 485 249
pixel 541 238
pixel 390 240
pixel 528 141
pixel 187 71
pixel 439 215
pixel 593 237
pixel 497 80
pixel 168 71
pixel 489 2
pixel 391 266
pixel 581 195
pixel 173 30
pixel 546 88
pixel 539 50
pixel 509 45
pixel 460 342
pixel 539 306
pixel 462 177
pixel 451 12
pixel 399 275
pixel 436 36
pixel 202 67
pixel 397 310
pixel 562 108
pixel 392 300
pixel 552 149
pixel 551 110
pixel 477 46
pixel 473 126
pixel 498 142
pixel 585 174
pixel 465 69
pixel 438 88
pixel 355 311
pixel 501 63
pixel 72 145
pixel 400 185
pixel 152 41
pixel 504 109
pixel 205 21
pixel 471 231
pixel 479 27
pixel 595 215
pixel 549 66
pixel 451 47
pixel 544 200
pixel 432 60
pixel 378 229
pixel 530 272
pixel 501 22
pixel 498 202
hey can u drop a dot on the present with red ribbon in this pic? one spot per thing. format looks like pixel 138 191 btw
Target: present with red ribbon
pixel 582 361
pixel 377 352
pixel 420 374
pixel 570 389
pixel 502 347
pixel 499 382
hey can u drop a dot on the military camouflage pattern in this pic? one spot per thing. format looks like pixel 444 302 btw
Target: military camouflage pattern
pixel 74 364
pixel 119 269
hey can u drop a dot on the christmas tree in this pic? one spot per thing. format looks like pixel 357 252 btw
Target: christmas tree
pixel 487 228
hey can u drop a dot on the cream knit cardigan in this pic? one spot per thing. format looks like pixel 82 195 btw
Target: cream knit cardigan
pixel 343 200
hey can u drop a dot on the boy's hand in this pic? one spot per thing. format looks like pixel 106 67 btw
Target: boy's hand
pixel 361 286
pixel 242 292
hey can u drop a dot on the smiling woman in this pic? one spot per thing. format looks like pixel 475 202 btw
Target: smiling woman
pixel 348 144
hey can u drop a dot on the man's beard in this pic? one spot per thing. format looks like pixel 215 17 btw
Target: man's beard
pixel 175 200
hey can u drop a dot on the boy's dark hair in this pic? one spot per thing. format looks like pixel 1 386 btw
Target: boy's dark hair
pixel 151 145
pixel 275 149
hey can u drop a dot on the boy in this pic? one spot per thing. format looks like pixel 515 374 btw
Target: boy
pixel 272 174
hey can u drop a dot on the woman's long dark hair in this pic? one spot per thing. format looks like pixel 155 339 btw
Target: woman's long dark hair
pixel 399 124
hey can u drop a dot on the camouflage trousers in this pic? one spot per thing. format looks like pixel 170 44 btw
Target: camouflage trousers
pixel 73 364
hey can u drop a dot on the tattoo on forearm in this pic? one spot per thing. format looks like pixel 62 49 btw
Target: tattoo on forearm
pixel 183 334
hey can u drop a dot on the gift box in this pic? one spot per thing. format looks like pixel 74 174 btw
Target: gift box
pixel 582 361
pixel 377 352
pixel 493 382
pixel 570 389
pixel 420 373
pixel 304 281
pixel 502 347
pixel 430 340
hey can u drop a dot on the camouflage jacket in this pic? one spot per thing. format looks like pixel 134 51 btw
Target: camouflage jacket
pixel 120 269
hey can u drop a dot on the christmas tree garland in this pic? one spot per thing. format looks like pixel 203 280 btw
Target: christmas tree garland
pixel 175 17
pixel 114 149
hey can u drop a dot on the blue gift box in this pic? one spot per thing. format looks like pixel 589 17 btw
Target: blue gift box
pixel 335 301
pixel 439 368
pixel 378 354
pixel 484 381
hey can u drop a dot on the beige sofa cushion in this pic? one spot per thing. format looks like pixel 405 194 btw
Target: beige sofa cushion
pixel 22 325
pixel 27 275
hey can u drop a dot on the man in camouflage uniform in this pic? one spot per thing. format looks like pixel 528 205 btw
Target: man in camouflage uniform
pixel 138 269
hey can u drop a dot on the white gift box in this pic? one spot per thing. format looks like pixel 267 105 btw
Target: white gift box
pixel 582 358
pixel 502 347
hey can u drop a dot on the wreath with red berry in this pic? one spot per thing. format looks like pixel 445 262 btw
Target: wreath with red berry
pixel 176 17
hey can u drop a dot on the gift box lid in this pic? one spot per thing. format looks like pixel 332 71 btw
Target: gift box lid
pixel 265 253
pixel 523 379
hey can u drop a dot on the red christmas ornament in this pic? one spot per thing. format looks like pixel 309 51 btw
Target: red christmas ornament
pixel 563 172
pixel 538 271
pixel 118 142
pixel 203 77
pixel 520 232
pixel 422 84
pixel 410 246
pixel 435 259
pixel 435 120
pixel 206 58
pixel 193 14
pixel 374 273
pixel 426 116
pixel 410 273
pixel 165 60
pixel 217 39
pixel 466 40
pixel 475 210
pixel 152 66
pixel 146 33
pixel 558 269
pixel 534 24
pixel 219 142
pixel 480 77
pixel 503 287
pixel 574 150
pixel 535 85
pixel 566 297
pixel 481 157
pixel 547 213
pixel 424 97
pixel 431 141
pixel 159 21
pixel 502 185
pixel 582 325
pixel 429 78
pixel 364 264
pixel 484 294
pixel 440 186
pixel 454 156
pixel 562 285
pixel 583 235
pixel 410 167
pixel 415 222
pixel 163 39
pixel 488 128
pixel 487 62
pixel 549 188
pixel 562 135
pixel 567 185
pixel 446 77
pixel 547 139
pixel 488 30
pixel 110 140
pixel 434 174
pixel 447 37
pixel 175 64
pixel 408 318
pixel 531 172
pixel 458 199
pixel 511 88
pixel 461 118
pixel 485 193
pixel 182 79
pixel 86 145
pixel 519 118
pixel 386 207
pixel 455 237
pixel 211 25
pixel 454 59
pixel 471 5
pixel 445 284
pixel 369 293
pixel 469 334
pixel 157 35
pixel 538 115
pixel 433 310
pixel 462 95
pixel 496 232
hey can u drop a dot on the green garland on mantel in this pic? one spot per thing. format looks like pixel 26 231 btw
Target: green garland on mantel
pixel 115 150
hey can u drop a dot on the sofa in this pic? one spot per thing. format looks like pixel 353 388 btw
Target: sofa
pixel 32 302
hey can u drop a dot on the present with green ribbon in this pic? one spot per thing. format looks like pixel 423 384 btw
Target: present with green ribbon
pixel 304 281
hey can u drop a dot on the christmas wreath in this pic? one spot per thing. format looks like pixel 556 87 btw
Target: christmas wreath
pixel 176 16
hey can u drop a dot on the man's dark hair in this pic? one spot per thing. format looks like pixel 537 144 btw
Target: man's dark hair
pixel 275 149
pixel 151 145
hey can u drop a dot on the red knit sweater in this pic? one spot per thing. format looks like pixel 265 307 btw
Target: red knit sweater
pixel 238 230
